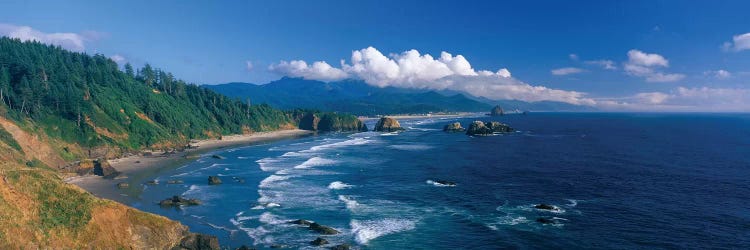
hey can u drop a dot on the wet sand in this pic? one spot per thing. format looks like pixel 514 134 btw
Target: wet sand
pixel 138 169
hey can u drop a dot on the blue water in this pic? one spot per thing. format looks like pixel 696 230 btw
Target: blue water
pixel 619 181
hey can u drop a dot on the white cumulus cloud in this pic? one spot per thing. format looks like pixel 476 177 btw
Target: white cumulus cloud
pixel 738 43
pixel 412 69
pixel 70 41
pixel 320 70
pixel 648 66
pixel 566 71
pixel 249 65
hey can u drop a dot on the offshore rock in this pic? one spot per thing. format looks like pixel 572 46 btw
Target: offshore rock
pixel 454 127
pixel 387 124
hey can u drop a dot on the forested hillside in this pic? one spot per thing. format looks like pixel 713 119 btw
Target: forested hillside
pixel 89 101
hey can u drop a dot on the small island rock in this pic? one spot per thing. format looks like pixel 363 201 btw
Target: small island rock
pixel 544 207
pixel 454 127
pixel 218 157
pixel 179 201
pixel 387 124
pixel 497 111
pixel 214 180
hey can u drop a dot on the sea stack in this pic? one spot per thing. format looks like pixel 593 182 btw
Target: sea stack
pixel 489 128
pixel 387 124
pixel 454 127
pixel 497 111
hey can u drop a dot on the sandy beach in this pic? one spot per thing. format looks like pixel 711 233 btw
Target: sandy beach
pixel 137 169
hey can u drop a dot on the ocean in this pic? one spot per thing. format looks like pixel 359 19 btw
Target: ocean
pixel 615 180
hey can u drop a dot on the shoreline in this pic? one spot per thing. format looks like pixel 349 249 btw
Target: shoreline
pixel 137 169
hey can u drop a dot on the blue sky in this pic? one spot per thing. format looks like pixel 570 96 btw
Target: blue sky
pixel 665 55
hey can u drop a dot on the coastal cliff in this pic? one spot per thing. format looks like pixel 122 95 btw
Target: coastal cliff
pixel 330 122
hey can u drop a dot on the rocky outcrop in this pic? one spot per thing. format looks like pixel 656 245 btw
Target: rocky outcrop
pixel 331 122
pixel 123 185
pixel 319 242
pixel 321 229
pixel 214 180
pixel 309 121
pixel 497 111
pixel 454 127
pixel 218 157
pixel 301 222
pixel 179 201
pixel 489 128
pixel 198 242
pixel 387 124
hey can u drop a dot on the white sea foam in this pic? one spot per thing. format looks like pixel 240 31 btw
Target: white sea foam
pixel 315 162
pixel 351 142
pixel 243 157
pixel 365 231
pixel 269 218
pixel 350 203
pixel 292 154
pixel 572 203
pixel 407 147
pixel 389 134
pixel 337 185
pixel 266 164
pixel 194 189
pixel 437 184
pixel 270 180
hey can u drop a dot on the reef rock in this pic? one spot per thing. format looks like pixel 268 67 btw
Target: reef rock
pixel 544 207
pixel 123 185
pixel 341 247
pixel 323 229
pixel 301 222
pixel 218 157
pixel 319 242
pixel 387 124
pixel 454 127
pixel 179 201
pixel 214 180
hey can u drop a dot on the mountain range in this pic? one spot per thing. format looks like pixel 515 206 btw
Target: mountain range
pixel 360 98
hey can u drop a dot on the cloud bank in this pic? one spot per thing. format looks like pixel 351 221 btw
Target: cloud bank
pixel 411 69
pixel 70 41
pixel 703 99
pixel 648 66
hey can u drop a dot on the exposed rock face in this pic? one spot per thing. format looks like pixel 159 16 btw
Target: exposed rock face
pixel 102 168
pixel 323 229
pixel 214 180
pixel 454 127
pixel 309 121
pixel 387 124
pixel 198 242
pixel 480 128
pixel 331 122
pixel 319 242
pixel 497 111
pixel 179 201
